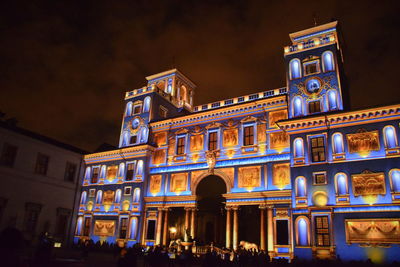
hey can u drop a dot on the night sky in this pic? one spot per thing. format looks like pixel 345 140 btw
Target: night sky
pixel 65 65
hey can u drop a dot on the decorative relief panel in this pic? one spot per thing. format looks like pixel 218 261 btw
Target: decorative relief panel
pixel 261 133
pixel 178 182
pixel 196 143
pixel 104 227
pixel 279 140
pixel 171 147
pixel 275 116
pixel 108 197
pixel 112 172
pixel 373 231
pixel 363 142
pixel 281 175
pixel 159 157
pixel 249 177
pixel 155 184
pixel 230 137
pixel 368 183
pixel 160 138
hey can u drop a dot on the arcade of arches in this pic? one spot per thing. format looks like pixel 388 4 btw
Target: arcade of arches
pixel 211 220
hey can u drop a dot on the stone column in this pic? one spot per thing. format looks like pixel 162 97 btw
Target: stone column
pixel 165 233
pixel 270 218
pixel 262 227
pixel 187 218
pixel 228 227
pixel 159 227
pixel 235 227
pixel 193 223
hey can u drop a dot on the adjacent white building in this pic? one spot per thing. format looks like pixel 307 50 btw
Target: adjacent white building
pixel 39 180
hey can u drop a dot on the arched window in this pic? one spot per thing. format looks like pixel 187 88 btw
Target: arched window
pixel 389 133
pixel 298 146
pixel 295 69
pixel 118 196
pixel 128 110
pixel 139 168
pixel 146 105
pixel 328 62
pixel 395 180
pixel 133 228
pixel 341 184
pixel 301 186
pixel 297 106
pixel 103 171
pixel 78 230
pixel 183 93
pixel 332 100
pixel 337 143
pixel 121 169
pixel 125 138
pixel 136 195
pixel 87 173
pixel 302 231
pixel 144 133
pixel 99 197
pixel 83 197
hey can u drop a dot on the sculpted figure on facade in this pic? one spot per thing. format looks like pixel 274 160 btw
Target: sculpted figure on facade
pixel 275 116
pixel 249 177
pixel 211 161
pixel 104 228
pixel 281 175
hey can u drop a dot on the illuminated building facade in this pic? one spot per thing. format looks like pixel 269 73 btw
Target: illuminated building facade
pixel 300 175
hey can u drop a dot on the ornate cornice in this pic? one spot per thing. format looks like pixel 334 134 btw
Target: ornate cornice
pixel 118 154
pixel 340 119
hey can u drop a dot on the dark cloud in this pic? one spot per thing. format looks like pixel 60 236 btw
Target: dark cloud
pixel 65 65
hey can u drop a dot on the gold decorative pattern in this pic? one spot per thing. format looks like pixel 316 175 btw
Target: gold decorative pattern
pixel 363 142
pixel 178 182
pixel 368 183
pixel 275 116
pixel 230 137
pixel 196 143
pixel 261 133
pixel 155 184
pixel 104 227
pixel 171 147
pixel 108 197
pixel 159 157
pixel 279 140
pixel 249 177
pixel 281 175
pixel 373 231
pixel 112 172
pixel 160 138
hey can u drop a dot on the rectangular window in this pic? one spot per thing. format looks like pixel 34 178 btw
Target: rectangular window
pixel 42 163
pixel 212 140
pixel 282 230
pixel 311 67
pixel 92 192
pixel 248 136
pixel 86 227
pixel 123 228
pixel 95 175
pixel 180 147
pixel 314 107
pixel 317 149
pixel 32 211
pixel 127 190
pixel 8 155
pixel 322 231
pixel 133 139
pixel 319 178
pixel 137 109
pixel 151 229
pixel 130 173
pixel 70 170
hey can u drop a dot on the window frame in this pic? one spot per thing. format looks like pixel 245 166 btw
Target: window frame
pixel 128 170
pixel 311 148
pixel 315 174
pixel 7 159
pixel 213 142
pixel 92 174
pixel 42 168
pixel 67 168
pixel 138 107
pixel 312 107
pixel 323 61
pixel 127 190
pixel 180 147
pixel 248 136
pixel 311 62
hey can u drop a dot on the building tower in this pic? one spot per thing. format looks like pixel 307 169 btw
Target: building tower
pixel 167 94
pixel 314 71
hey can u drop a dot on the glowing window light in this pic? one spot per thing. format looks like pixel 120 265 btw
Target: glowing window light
pixel 390 137
pixel 328 61
pixel 133 228
pixel 298 148
pixel 146 105
pixel 341 184
pixel 300 187
pixel 99 197
pixel 297 106
pixel 295 68
pixel 79 226
pixel 302 232
pixel 337 143
pixel 332 100
pixel 395 179
pixel 83 197
pixel 118 196
pixel 136 195
pixel 128 111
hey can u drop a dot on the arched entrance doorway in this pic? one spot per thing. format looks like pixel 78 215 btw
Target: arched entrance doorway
pixel 211 213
